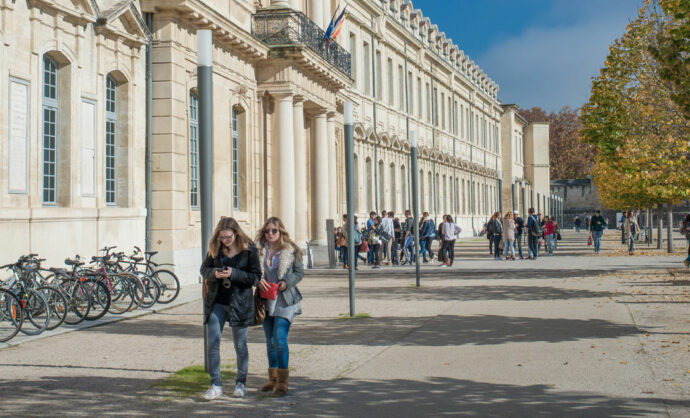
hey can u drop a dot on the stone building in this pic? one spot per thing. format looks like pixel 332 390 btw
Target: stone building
pixel 80 172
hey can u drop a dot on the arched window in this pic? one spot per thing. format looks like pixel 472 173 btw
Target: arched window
pixel 50 130
pixel 193 150
pixel 239 180
pixel 356 170
pixel 392 201
pixel 421 199
pixel 403 189
pixel 369 184
pixel 382 187
pixel 110 141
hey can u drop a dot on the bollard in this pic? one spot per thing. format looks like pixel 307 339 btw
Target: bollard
pixel 310 265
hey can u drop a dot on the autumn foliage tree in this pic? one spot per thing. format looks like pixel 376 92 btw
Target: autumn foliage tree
pixel 640 132
pixel 569 157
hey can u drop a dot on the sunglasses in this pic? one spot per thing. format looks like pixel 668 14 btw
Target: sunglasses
pixel 226 238
pixel 272 231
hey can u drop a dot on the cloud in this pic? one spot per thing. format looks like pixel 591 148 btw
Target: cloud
pixel 552 67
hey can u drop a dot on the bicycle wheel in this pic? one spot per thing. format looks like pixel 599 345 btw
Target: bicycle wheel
pixel 57 304
pixel 99 296
pixel 137 289
pixel 78 301
pixel 36 310
pixel 169 284
pixel 151 290
pixel 121 293
pixel 11 315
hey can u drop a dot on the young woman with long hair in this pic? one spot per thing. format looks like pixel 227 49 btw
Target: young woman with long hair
pixel 509 236
pixel 282 268
pixel 229 271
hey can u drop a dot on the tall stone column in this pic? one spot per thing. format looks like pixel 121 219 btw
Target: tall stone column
pixel 285 139
pixel 317 12
pixel 332 172
pixel 320 195
pixel 301 228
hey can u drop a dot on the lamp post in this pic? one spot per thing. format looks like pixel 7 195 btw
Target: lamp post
pixel 350 191
pixel 415 202
pixel 204 39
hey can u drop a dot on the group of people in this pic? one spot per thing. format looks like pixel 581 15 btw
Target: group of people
pixel 387 239
pixel 234 265
pixel 506 234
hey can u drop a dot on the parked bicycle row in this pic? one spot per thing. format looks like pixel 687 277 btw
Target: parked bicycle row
pixel 34 299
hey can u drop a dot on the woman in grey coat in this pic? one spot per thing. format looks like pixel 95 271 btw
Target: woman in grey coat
pixel 283 267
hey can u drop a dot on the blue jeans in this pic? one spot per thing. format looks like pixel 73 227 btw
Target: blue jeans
pixel 409 249
pixel 596 236
pixel 422 251
pixel 533 243
pixel 497 241
pixel 216 322
pixel 276 331
pixel 518 239
pixel 509 247
pixel 631 244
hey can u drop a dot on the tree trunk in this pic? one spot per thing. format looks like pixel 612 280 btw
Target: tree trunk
pixel 650 224
pixel 659 227
pixel 669 227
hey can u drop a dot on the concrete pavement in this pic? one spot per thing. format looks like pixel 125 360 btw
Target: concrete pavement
pixel 571 335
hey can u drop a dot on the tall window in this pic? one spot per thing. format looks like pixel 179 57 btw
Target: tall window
pixel 353 57
pixel 235 159
pixel 389 72
pixel 377 71
pixel 110 140
pixel 428 103
pixel 392 204
pixel 403 183
pixel 382 187
pixel 455 118
pixel 443 110
pixel 366 64
pixel 434 108
pixel 50 108
pixel 419 97
pixel 369 185
pixel 410 92
pixel 401 87
pixel 466 124
pixel 356 170
pixel 193 150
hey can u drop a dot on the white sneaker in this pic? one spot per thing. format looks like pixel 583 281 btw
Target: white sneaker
pixel 240 390
pixel 213 392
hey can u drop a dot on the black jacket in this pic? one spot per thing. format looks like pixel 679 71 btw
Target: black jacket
pixel 245 274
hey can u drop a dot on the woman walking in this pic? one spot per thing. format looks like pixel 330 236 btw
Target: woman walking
pixel 450 231
pixel 685 229
pixel 282 269
pixel 230 270
pixel 495 227
pixel 631 228
pixel 375 242
pixel 509 236
pixel 549 234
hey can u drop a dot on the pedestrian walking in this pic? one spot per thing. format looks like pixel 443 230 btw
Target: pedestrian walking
pixel 449 233
pixel 685 229
pixel 439 235
pixel 283 269
pixel 489 236
pixel 370 226
pixel 408 239
pixel 357 242
pixel 509 236
pixel 427 232
pixel 556 233
pixel 631 228
pixel 549 235
pixel 387 237
pixel 519 229
pixel 622 227
pixel 375 242
pixel 597 226
pixel 495 227
pixel 397 236
pixel 578 224
pixel 229 271
pixel 534 231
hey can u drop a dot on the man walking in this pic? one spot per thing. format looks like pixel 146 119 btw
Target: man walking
pixel 408 240
pixel 534 230
pixel 519 228
pixel 387 236
pixel 598 224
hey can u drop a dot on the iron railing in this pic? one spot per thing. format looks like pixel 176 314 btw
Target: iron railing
pixel 282 28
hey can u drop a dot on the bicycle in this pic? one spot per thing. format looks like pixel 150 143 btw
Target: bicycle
pixel 33 304
pixel 151 286
pixel 11 315
pixel 167 280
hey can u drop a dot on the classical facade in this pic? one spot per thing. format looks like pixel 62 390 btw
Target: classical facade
pixel 110 153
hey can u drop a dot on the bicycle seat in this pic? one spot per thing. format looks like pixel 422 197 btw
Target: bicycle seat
pixel 150 252
pixel 71 262
pixel 137 259
pixel 111 262
pixel 58 270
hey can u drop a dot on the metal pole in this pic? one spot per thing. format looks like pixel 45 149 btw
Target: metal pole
pixel 350 192
pixel 415 203
pixel 376 145
pixel 205 89
pixel 149 125
pixel 434 117
pixel 512 192
pixel 669 227
pixel 500 186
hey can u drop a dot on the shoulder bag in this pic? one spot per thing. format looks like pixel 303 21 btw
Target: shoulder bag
pixel 259 308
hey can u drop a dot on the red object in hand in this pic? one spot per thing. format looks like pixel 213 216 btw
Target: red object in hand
pixel 271 293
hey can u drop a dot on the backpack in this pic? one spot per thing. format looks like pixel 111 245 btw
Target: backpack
pixel 358 237
pixel 535 228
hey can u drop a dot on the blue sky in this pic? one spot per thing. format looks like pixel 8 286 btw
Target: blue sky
pixel 542 53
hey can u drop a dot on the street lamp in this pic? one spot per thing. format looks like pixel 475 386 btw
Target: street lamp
pixel 415 202
pixel 350 191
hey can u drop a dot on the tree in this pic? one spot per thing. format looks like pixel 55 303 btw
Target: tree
pixel 569 157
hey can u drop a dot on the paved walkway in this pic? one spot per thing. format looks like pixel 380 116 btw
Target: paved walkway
pixel 573 335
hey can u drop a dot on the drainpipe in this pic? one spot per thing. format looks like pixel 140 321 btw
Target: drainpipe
pixel 149 124
pixel 433 143
pixel 407 119
pixel 376 145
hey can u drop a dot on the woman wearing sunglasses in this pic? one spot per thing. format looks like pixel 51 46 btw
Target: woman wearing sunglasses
pixel 283 269
pixel 230 270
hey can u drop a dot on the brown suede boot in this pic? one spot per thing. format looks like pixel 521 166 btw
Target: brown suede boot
pixel 282 382
pixel 272 378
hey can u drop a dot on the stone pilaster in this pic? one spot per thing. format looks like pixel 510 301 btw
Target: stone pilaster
pixel 300 233
pixel 320 194
pixel 284 137
pixel 332 168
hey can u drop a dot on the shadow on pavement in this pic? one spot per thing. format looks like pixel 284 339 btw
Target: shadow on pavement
pixel 100 395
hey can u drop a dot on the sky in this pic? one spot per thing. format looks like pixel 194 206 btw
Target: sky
pixel 541 52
